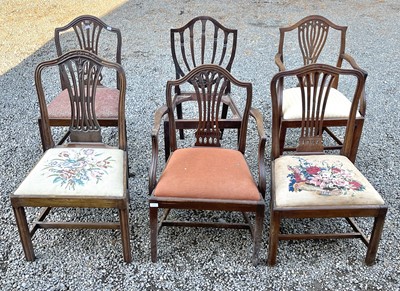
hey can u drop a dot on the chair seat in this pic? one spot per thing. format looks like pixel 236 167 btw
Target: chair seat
pixel 106 105
pixel 76 171
pixel 321 180
pixel 207 173
pixel 338 106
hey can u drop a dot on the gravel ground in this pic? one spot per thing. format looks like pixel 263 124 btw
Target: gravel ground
pixel 206 259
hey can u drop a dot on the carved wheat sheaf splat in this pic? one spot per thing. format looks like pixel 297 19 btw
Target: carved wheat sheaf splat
pixel 88 34
pixel 209 88
pixel 194 53
pixel 312 37
pixel 82 78
pixel 315 88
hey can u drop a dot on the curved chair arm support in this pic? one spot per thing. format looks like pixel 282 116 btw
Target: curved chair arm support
pixel 354 65
pixel 154 146
pixel 256 114
pixel 279 62
pixel 352 62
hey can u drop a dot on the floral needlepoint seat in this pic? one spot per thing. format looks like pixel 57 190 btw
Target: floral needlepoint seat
pixel 69 171
pixel 321 180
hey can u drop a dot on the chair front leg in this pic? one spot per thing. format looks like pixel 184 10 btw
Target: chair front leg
pixel 375 237
pixel 273 238
pixel 153 230
pixel 23 229
pixel 125 234
pixel 259 224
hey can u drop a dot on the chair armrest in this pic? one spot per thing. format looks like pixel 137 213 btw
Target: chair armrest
pixel 279 62
pixel 256 114
pixel 354 65
pixel 352 62
pixel 158 116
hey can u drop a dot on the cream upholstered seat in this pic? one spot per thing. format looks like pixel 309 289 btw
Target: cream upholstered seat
pixel 191 173
pixel 73 171
pixel 321 180
pixel 338 105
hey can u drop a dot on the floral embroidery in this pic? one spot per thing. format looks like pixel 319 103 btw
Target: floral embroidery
pixel 326 179
pixel 77 167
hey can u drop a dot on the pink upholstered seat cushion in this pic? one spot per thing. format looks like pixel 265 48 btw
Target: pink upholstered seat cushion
pixel 106 104
pixel 208 173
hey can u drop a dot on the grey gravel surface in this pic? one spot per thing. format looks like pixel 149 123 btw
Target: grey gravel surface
pixel 207 259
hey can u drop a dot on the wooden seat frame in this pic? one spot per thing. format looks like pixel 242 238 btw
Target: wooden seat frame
pixel 87 136
pixel 312 35
pixel 311 143
pixel 155 203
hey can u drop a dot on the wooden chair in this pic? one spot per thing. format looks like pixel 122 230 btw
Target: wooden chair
pixel 203 40
pixel 84 173
pixel 93 35
pixel 207 176
pixel 311 184
pixel 317 39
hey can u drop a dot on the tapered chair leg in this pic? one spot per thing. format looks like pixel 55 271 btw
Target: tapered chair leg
pixel 375 238
pixel 125 235
pixel 153 231
pixel 24 233
pixel 259 224
pixel 273 239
